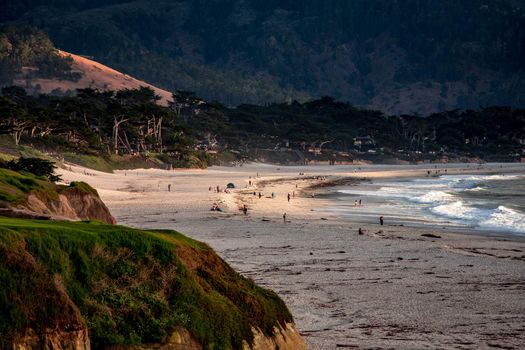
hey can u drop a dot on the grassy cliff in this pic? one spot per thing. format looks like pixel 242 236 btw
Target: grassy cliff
pixel 127 286
pixel 16 186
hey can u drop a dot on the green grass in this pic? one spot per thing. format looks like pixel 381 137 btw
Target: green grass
pixel 82 187
pixel 89 161
pixel 131 286
pixel 113 162
pixel 11 151
pixel 6 157
pixel 15 186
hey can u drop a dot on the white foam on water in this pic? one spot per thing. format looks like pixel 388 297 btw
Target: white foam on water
pixel 476 189
pixel 441 198
pixel 457 210
pixel 435 197
pixel 503 218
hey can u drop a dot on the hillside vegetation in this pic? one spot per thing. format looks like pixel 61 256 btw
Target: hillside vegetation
pixel 126 286
pixel 399 57
pixel 128 128
pixel 28 52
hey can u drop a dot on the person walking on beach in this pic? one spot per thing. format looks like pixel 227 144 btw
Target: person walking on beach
pixel 288 198
pixel 360 231
pixel 360 202
pixel 245 210
pixel 169 187
pixel 273 195
pixel 355 203
pixel 284 217
pixel 260 195
pixel 381 220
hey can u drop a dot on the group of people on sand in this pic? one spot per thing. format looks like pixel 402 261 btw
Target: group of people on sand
pixel 244 208
pixel 358 203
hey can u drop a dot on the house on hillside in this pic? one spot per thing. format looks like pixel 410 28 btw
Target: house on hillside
pixel 364 143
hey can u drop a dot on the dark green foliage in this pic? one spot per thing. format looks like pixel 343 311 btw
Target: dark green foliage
pixel 85 124
pixel 14 186
pixel 27 51
pixel 36 166
pixel 274 51
pixel 131 286
pixel 191 127
pixel 82 187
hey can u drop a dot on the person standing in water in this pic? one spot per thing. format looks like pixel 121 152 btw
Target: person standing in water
pixel 245 210
pixel 381 220
pixel 284 217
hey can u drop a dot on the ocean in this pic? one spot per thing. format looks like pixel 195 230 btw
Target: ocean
pixel 488 203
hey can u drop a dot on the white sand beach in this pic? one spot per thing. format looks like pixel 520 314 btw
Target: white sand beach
pixel 389 288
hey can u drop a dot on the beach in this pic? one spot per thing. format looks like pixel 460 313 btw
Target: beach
pixel 403 287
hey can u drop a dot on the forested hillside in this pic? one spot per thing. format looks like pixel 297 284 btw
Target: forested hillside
pixel 193 133
pixel 402 56
pixel 27 51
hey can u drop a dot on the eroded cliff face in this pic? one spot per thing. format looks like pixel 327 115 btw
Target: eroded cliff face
pixel 287 338
pixel 53 340
pixel 71 203
pixel 60 329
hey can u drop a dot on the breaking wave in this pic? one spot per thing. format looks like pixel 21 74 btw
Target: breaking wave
pixel 447 197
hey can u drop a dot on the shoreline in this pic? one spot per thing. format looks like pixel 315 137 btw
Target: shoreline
pixel 389 288
pixel 330 185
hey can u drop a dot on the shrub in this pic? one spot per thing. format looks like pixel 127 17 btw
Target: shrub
pixel 36 166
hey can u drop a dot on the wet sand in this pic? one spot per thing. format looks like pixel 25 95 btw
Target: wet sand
pixel 389 288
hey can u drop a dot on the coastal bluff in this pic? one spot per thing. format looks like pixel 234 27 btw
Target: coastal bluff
pixel 25 195
pixel 78 202
pixel 92 284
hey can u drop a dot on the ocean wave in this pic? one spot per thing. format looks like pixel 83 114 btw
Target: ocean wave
pixel 435 197
pixel 457 210
pixel 476 189
pixel 506 219
pixel 445 197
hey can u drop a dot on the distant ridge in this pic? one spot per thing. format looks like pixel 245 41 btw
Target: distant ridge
pixel 94 75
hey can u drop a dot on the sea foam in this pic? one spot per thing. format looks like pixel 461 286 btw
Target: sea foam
pixel 504 218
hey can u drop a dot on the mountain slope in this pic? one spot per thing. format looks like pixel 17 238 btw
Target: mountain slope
pixel 92 75
pixel 400 57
